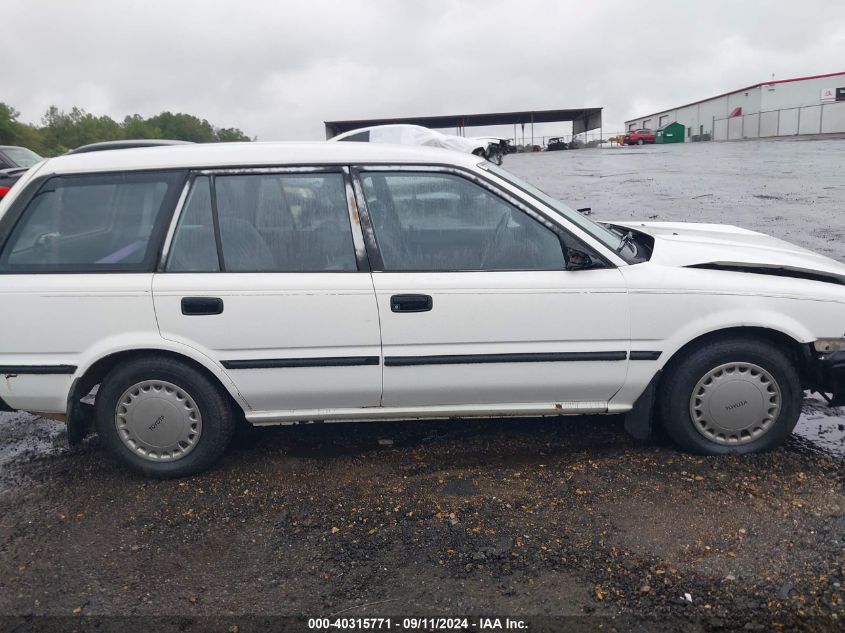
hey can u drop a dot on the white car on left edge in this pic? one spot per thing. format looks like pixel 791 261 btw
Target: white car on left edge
pixel 193 285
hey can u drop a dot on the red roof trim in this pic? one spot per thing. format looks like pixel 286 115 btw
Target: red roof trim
pixel 725 94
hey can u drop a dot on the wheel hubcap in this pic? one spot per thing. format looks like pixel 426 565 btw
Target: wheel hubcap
pixel 158 421
pixel 735 403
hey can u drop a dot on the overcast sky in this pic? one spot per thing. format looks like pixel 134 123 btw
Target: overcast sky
pixel 278 69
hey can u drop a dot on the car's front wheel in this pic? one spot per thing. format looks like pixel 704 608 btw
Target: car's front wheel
pixel 731 396
pixel 162 417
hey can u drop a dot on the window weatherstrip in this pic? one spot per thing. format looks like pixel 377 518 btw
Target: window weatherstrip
pixel 370 242
pixel 358 240
pixel 278 363
pixel 215 220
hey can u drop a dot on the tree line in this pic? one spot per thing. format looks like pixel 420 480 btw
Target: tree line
pixel 60 131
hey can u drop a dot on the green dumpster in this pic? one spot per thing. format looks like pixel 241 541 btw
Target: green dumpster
pixel 672 133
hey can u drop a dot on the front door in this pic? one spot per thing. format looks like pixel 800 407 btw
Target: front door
pixel 483 302
pixel 262 276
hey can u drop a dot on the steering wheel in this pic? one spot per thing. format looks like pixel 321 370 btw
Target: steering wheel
pixel 498 233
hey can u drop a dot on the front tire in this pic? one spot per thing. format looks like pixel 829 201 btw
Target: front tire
pixel 731 396
pixel 163 418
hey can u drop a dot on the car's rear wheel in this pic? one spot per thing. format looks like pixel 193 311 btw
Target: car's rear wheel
pixel 640 142
pixel 731 396
pixel 162 417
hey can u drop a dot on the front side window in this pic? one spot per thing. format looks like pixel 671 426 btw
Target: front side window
pixel 442 222
pixel 594 229
pixel 265 223
pixel 108 222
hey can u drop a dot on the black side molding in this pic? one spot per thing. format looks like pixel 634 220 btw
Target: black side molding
pixel 4 406
pixel 472 359
pixel 276 363
pixel 37 369
pixel 645 355
pixel 456 359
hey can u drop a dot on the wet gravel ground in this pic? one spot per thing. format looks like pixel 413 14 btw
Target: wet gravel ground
pixel 536 517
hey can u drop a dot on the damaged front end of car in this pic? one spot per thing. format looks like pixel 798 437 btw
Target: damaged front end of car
pixel 830 370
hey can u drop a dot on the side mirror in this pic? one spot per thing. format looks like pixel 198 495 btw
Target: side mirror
pixel 586 210
pixel 579 260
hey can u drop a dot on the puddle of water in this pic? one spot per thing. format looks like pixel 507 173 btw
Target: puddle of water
pixel 822 425
pixel 25 435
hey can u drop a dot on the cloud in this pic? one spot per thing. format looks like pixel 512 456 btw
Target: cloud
pixel 279 69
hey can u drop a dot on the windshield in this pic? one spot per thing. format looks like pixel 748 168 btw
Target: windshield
pixel 22 157
pixel 599 231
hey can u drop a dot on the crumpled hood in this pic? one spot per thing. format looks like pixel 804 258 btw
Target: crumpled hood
pixel 690 244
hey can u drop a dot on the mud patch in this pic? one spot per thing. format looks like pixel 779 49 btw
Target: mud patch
pixel 821 427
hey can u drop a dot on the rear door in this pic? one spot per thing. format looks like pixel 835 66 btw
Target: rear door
pixel 262 276
pixel 485 302
pixel 76 270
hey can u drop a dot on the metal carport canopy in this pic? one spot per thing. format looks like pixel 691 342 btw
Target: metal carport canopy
pixel 583 120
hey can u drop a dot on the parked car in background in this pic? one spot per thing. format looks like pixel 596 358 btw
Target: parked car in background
pixel 14 161
pixel 187 287
pixel 12 156
pixel 640 137
pixel 23 158
pixel 556 144
pixel 404 134
pixel 126 144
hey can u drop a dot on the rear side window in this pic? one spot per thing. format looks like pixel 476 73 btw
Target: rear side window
pixel 194 248
pixel 266 223
pixel 102 223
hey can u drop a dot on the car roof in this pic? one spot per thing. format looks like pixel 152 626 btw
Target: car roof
pixel 216 155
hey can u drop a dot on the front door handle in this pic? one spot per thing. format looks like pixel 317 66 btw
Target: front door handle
pixel 411 303
pixel 200 306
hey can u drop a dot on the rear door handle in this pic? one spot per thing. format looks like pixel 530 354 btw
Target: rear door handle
pixel 411 303
pixel 200 306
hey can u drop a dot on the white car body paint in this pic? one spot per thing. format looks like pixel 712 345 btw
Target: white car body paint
pixel 286 315
pixel 686 244
pixel 659 305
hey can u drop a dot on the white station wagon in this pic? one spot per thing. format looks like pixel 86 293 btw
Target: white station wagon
pixel 188 286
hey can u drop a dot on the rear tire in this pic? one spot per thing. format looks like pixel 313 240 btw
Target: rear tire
pixel 731 396
pixel 163 418
pixel 640 142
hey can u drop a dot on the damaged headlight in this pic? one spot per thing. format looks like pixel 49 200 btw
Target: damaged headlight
pixel 826 345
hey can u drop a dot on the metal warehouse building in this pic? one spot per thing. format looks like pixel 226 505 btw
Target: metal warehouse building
pixel 786 107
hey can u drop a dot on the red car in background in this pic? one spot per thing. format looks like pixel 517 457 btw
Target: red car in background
pixel 14 161
pixel 639 137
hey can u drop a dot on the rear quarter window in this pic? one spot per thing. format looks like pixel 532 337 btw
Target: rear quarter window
pixel 93 223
